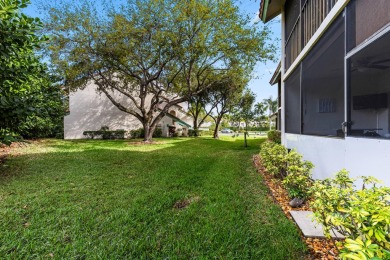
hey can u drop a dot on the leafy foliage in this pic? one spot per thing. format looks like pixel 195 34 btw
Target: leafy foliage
pixel 298 180
pixel 244 110
pixel 363 216
pixel 140 133
pixel 274 157
pixel 288 166
pixel 105 133
pixel 157 53
pixel 274 136
pixel 29 105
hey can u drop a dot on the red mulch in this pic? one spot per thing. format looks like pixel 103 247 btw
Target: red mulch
pixel 318 248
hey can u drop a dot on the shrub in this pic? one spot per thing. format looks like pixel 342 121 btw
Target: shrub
pixel 273 157
pixel 140 133
pixel 289 166
pixel 105 133
pixel 204 133
pixel 192 132
pixel 274 136
pixel 362 216
pixel 157 133
pixel 298 180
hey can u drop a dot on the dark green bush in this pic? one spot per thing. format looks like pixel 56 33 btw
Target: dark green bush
pixel 157 133
pixel 204 133
pixel 106 134
pixel 274 136
pixel 140 133
pixel 192 132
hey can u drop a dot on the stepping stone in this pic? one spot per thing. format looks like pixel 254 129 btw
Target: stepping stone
pixel 309 227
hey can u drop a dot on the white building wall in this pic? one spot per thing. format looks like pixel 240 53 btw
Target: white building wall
pixel 360 156
pixel 90 110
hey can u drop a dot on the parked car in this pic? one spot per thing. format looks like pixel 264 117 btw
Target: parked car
pixel 227 131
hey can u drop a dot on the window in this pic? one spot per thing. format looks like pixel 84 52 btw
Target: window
pixel 369 87
pixel 323 84
pixel 293 103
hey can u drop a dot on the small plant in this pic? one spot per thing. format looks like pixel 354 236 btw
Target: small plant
pixel 274 156
pixel 298 180
pixel 105 133
pixel 140 133
pixel 362 216
pixel 274 136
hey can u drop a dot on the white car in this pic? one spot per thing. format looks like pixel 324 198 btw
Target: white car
pixel 227 131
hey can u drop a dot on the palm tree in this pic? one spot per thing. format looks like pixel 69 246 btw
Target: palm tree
pixel 272 106
pixel 260 109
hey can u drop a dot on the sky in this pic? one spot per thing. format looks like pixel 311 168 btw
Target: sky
pixel 263 71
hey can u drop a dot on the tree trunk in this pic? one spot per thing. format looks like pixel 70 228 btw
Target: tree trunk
pixel 269 121
pixel 217 122
pixel 148 138
pixel 196 129
pixel 245 134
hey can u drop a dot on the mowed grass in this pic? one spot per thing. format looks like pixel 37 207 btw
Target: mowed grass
pixel 180 199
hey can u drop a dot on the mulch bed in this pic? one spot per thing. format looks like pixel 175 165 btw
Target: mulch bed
pixel 318 248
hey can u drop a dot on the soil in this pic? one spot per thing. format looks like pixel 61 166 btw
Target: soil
pixel 318 248
pixel 182 204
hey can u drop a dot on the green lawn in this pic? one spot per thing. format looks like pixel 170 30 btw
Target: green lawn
pixel 186 198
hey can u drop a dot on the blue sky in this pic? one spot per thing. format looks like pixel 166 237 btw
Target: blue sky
pixel 262 73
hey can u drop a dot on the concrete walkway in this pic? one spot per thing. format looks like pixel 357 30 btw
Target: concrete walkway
pixel 310 228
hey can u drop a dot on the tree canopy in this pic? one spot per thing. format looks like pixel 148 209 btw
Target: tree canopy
pixel 22 75
pixel 157 53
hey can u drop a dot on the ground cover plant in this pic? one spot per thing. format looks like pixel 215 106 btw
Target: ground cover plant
pixel 362 215
pixel 180 198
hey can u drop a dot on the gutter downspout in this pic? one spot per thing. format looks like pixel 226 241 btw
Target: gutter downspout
pixel 265 9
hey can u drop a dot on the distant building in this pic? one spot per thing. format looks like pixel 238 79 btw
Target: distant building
pixel 90 110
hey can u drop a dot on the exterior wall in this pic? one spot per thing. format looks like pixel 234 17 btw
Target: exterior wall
pixel 360 156
pixel 90 110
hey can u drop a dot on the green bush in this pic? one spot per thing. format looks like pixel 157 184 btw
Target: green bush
pixel 157 133
pixel 274 157
pixel 105 133
pixel 298 180
pixel 274 136
pixel 140 133
pixel 362 216
pixel 192 132
pixel 204 133
pixel 289 166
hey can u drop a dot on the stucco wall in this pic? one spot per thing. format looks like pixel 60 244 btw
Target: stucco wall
pixel 90 110
pixel 360 156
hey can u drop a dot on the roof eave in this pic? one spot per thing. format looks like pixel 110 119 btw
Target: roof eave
pixel 277 75
pixel 269 9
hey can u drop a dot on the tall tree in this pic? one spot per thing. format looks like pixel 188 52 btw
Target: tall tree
pixel 199 109
pixel 245 110
pixel 225 96
pixel 272 106
pixel 260 109
pixel 157 53
pixel 20 69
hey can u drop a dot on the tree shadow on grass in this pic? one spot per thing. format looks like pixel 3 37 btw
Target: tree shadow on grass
pixel 120 200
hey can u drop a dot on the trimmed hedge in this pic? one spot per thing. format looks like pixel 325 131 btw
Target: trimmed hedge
pixel 106 134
